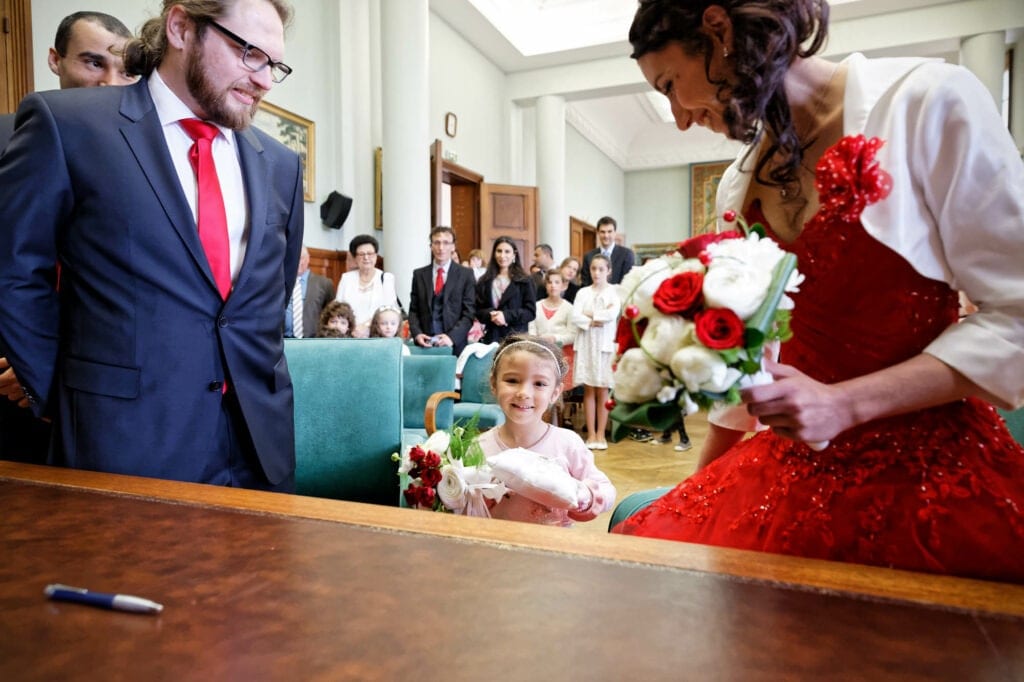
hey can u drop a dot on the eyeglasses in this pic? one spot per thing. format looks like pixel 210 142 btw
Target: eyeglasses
pixel 255 59
pixel 442 242
pixel 366 254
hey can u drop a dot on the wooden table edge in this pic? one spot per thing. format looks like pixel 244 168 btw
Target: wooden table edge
pixel 867 582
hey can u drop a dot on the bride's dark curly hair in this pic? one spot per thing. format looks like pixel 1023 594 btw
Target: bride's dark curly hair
pixel 767 36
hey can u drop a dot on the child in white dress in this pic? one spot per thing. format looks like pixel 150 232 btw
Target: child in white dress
pixel 595 313
pixel 554 321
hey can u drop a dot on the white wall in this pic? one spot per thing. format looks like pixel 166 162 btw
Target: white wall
pixel 658 205
pixel 467 84
pixel 594 185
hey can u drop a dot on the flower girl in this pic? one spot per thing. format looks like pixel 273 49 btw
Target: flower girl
pixel 554 320
pixel 595 312
pixel 526 379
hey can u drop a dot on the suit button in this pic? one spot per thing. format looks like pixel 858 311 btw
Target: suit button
pixel 215 385
pixel 222 321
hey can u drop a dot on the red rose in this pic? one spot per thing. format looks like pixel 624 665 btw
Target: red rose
pixel 416 454
pixel 848 178
pixel 693 247
pixel 430 477
pixel 432 460
pixel 624 334
pixel 719 328
pixel 679 294
pixel 426 497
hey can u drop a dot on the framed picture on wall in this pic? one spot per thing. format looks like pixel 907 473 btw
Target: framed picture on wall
pixel 296 133
pixel 704 179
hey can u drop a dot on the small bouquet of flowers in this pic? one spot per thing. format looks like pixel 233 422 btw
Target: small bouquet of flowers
pixel 449 473
pixel 696 321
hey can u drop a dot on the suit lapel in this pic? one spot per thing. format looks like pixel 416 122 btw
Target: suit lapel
pixel 145 138
pixel 256 177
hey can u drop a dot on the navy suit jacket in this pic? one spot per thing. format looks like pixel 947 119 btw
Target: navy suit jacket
pixel 622 262
pixel 130 355
pixel 457 300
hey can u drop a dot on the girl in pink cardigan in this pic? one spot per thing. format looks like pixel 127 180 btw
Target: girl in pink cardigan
pixel 526 379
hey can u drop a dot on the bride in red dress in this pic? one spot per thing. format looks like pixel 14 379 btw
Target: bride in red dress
pixel 896 184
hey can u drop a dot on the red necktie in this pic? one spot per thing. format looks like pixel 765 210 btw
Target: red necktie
pixel 439 281
pixel 212 219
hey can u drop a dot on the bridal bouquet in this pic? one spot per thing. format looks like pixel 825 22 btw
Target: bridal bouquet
pixel 448 473
pixel 695 323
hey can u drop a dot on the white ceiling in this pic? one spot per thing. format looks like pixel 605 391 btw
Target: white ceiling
pixel 633 129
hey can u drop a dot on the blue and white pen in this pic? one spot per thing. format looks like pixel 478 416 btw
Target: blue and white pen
pixel 117 602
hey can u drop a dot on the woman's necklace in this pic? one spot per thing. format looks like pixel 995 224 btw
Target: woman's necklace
pixel 526 447
pixel 365 285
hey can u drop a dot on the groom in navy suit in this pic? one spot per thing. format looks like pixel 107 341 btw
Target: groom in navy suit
pixel 160 353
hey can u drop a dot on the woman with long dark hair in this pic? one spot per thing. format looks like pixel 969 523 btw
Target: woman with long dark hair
pixel 506 299
pixel 896 183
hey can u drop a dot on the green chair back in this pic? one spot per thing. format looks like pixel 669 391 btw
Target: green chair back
pixel 422 376
pixel 477 397
pixel 348 417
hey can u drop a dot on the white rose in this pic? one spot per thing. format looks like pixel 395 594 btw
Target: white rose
pixel 639 284
pixel 452 489
pixel 665 334
pixel 702 369
pixel 636 379
pixel 736 286
pixel 438 442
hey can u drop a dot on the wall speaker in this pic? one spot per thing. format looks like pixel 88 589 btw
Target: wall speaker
pixel 334 210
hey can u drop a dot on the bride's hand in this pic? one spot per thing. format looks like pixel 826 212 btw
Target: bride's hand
pixel 797 407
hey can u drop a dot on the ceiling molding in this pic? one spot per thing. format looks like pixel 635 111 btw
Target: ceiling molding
pixel 597 137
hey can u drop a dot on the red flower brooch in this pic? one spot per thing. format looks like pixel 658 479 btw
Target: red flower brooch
pixel 848 178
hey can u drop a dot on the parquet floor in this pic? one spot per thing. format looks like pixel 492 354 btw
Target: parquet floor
pixel 634 466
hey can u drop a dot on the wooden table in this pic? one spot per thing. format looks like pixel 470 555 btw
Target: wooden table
pixel 266 586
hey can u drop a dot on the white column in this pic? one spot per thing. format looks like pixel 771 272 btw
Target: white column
pixel 554 222
pixel 405 28
pixel 985 56
pixel 1017 95
pixel 355 167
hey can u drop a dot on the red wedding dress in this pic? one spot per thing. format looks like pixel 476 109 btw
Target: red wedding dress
pixel 939 490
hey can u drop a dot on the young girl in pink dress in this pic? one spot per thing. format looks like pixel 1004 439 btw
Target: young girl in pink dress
pixel 526 379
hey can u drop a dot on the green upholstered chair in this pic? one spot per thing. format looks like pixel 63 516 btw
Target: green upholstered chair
pixel 1015 423
pixel 348 417
pixel 432 350
pixel 631 504
pixel 476 396
pixel 425 376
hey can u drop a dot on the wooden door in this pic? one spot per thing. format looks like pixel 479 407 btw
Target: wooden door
pixel 509 211
pixel 15 53
pixel 582 237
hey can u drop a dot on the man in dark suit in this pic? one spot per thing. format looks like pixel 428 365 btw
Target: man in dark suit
pixel 622 259
pixel 86 52
pixel 310 294
pixel 162 353
pixel 543 260
pixel 441 306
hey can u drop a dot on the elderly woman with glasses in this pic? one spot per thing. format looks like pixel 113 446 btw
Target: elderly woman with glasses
pixel 366 288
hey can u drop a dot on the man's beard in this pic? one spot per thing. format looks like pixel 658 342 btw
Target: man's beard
pixel 213 103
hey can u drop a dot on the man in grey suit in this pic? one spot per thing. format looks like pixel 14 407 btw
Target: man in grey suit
pixel 87 52
pixel 314 292
pixel 621 258
pixel 178 229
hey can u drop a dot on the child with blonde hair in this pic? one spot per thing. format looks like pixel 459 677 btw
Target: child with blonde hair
pixel 526 379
